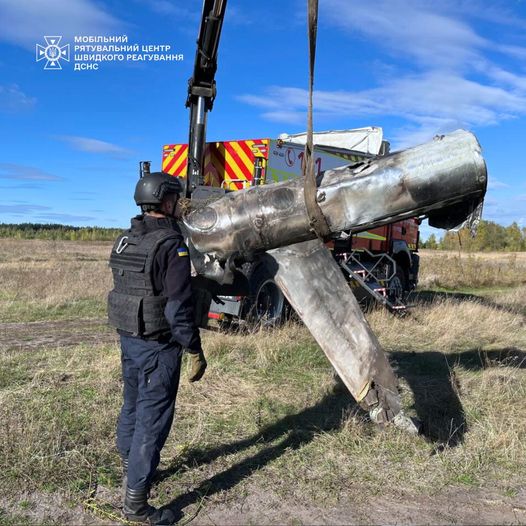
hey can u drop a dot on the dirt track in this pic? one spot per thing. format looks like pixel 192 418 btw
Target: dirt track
pixel 468 507
pixel 62 333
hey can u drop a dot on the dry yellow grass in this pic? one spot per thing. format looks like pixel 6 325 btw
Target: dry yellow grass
pixel 452 270
pixel 269 413
pixel 448 322
pixel 53 279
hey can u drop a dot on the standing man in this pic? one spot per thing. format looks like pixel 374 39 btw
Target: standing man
pixel 151 308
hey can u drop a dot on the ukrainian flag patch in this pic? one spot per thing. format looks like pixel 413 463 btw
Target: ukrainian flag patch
pixel 182 252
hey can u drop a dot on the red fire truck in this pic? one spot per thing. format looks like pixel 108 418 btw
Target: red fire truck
pixel 381 264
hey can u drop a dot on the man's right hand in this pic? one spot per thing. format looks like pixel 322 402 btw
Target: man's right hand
pixel 197 366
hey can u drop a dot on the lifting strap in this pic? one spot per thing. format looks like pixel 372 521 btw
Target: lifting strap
pixel 317 220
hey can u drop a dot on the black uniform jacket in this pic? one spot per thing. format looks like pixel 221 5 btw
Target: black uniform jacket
pixel 171 275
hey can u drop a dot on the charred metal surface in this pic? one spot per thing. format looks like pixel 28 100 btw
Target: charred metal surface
pixel 446 174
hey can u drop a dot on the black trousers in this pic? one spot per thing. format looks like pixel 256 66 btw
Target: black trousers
pixel 150 372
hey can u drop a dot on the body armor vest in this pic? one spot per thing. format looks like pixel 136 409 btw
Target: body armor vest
pixel 133 305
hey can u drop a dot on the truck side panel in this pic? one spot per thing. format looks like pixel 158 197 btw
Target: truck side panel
pixel 285 160
pixel 379 239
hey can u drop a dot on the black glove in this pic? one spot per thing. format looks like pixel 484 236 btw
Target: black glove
pixel 197 366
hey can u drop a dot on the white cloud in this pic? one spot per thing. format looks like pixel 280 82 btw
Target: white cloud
pixel 240 16
pixel 292 117
pixel 411 135
pixel 448 79
pixel 505 211
pixel 516 51
pixel 21 208
pixel 90 145
pixel 505 207
pixel 21 172
pixel 495 184
pixel 436 34
pixel 64 217
pixel 498 12
pixel 408 28
pixel 13 99
pixel 431 103
pixel 506 78
pixel 25 22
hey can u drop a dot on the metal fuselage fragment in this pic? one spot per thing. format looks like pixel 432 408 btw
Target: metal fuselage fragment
pixel 446 174
pixel 447 171
pixel 313 283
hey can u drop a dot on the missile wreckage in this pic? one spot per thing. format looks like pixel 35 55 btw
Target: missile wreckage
pixel 444 180
pixel 284 225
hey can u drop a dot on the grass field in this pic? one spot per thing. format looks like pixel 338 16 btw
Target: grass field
pixel 269 435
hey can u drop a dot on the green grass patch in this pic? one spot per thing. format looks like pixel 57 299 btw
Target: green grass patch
pixel 13 519
pixel 27 311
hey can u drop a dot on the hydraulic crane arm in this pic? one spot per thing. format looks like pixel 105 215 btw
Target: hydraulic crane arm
pixel 202 88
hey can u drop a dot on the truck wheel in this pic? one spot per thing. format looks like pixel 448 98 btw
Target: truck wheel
pixel 398 286
pixel 267 305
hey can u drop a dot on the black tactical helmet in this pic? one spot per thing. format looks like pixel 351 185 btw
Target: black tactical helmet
pixel 152 188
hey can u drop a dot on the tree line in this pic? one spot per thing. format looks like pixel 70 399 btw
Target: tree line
pixel 491 237
pixel 58 232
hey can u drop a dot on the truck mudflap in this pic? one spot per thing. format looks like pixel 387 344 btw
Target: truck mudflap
pixel 314 285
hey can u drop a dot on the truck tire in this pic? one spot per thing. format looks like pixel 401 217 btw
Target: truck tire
pixel 398 286
pixel 266 305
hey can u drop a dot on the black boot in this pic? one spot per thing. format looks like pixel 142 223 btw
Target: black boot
pixel 137 509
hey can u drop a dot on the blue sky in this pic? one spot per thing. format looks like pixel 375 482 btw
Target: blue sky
pixel 70 141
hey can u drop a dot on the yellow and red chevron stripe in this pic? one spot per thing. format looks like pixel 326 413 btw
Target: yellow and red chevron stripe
pixel 227 164
pixel 175 159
